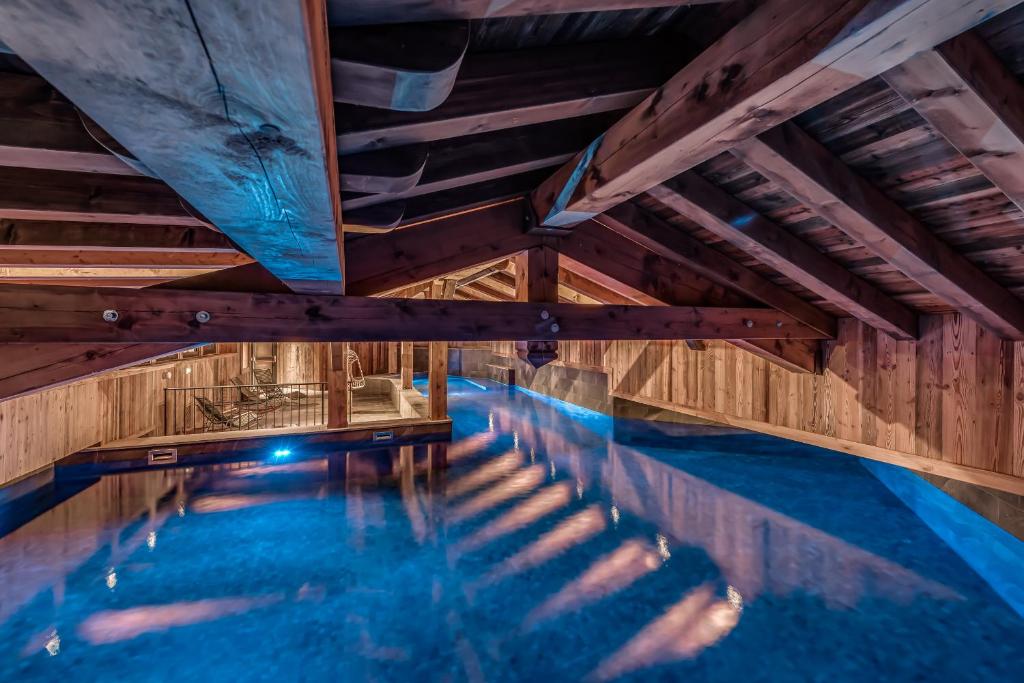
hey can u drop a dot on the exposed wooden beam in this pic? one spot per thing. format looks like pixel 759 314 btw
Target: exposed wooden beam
pixel 808 171
pixel 967 94
pixel 475 159
pixel 536 280
pixel 406 67
pixel 485 291
pixel 359 12
pixel 650 231
pixel 63 314
pixel 459 199
pixel 481 274
pixel 26 368
pixel 40 129
pixel 119 258
pixel 339 405
pixel 725 216
pixel 80 236
pixel 229 103
pixel 784 58
pixel 614 256
pixel 617 263
pixel 381 263
pixel 437 379
pixel 593 290
pixel 497 91
pixel 32 194
pixel 406 364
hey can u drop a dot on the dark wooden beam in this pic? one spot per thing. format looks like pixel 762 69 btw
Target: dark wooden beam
pixel 381 263
pixel 65 314
pixel 405 67
pixel 81 236
pixel 967 94
pixel 782 59
pixel 229 103
pixel 40 129
pixel 119 258
pixel 473 159
pixel 720 213
pixel 456 200
pixel 359 12
pixel 650 231
pixel 615 256
pixel 536 281
pixel 496 91
pixel 619 264
pixel 808 171
pixel 27 368
pixel 593 290
pixel 43 195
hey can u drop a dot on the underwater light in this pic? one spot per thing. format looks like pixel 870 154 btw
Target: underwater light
pixel 282 453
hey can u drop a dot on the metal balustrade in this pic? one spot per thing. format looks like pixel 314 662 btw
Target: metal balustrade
pixel 234 407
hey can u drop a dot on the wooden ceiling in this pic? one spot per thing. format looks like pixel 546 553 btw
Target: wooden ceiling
pixel 838 159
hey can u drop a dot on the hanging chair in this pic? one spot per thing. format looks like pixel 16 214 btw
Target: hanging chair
pixel 356 380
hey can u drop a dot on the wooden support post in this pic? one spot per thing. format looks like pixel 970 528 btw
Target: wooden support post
pixel 338 404
pixel 537 282
pixel 406 364
pixel 438 379
pixel 393 358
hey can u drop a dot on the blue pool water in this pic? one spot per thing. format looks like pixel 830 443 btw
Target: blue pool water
pixel 558 545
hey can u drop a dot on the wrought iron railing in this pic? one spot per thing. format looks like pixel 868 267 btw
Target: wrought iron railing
pixel 234 407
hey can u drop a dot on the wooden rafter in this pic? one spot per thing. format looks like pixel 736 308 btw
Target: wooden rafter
pixel 784 58
pixel 808 171
pixel 62 314
pixel 499 91
pixel 720 213
pixel 357 12
pixel 624 266
pixel 25 368
pixel 646 229
pixel 968 95
pixel 456 163
pixel 45 195
pixel 229 103
pixel 380 263
pixel 81 236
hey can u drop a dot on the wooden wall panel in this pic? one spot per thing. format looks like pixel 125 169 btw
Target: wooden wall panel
pixel 41 428
pixel 955 396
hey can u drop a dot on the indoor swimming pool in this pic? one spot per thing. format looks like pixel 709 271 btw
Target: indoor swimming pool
pixel 559 544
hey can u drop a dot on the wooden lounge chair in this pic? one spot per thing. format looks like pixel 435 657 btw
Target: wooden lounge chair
pixel 265 381
pixel 257 398
pixel 232 418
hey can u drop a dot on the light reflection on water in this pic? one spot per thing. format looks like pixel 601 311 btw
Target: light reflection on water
pixel 559 545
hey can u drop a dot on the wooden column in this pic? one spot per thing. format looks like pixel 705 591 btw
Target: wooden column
pixel 393 359
pixel 438 379
pixel 338 404
pixel 406 364
pixel 537 282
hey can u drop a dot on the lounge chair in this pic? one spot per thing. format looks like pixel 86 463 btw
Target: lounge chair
pixel 265 381
pixel 232 418
pixel 257 398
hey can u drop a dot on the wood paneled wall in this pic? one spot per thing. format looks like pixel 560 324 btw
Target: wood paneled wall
pixel 304 361
pixel 955 397
pixel 41 428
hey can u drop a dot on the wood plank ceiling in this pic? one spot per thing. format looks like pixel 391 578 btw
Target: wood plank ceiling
pixel 903 196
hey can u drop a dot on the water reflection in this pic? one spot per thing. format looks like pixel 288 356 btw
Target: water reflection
pixel 609 574
pixel 111 626
pixel 547 551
